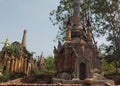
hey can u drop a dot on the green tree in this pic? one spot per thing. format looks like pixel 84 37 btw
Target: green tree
pixel 50 63
pixel 110 58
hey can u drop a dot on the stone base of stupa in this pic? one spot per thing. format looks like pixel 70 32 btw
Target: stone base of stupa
pixel 63 81
pixel 86 82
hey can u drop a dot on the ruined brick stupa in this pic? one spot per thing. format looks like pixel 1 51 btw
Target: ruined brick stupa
pixel 78 58
pixel 16 58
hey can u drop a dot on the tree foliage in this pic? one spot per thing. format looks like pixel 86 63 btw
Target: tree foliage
pixel 48 71
pixel 12 49
pixel 110 60
pixel 108 67
pixel 50 63
pixel 102 13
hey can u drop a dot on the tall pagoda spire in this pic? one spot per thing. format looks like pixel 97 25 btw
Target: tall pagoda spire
pixel 77 26
pixel 24 39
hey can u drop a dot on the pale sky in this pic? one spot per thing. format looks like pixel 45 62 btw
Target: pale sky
pixel 32 15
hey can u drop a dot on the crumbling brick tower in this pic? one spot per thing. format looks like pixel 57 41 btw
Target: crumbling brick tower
pixel 78 57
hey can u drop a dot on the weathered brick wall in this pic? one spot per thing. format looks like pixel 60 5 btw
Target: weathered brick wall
pixel 35 84
pixel 41 84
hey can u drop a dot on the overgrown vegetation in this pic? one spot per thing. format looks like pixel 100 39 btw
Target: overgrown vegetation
pixel 10 76
pixel 36 71
pixel 49 69
pixel 50 63
pixel 108 67
pixel 5 77
pixel 12 49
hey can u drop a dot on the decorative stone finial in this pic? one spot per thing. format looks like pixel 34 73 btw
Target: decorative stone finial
pixel 89 32
pixel 6 42
pixel 68 32
pixel 77 26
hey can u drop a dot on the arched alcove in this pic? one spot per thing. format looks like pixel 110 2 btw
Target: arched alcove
pixel 82 71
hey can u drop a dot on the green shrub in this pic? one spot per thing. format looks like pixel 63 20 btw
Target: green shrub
pixel 108 67
pixel 50 63
pixel 47 72
pixel 5 77
pixel 10 76
pixel 16 75
pixel 37 71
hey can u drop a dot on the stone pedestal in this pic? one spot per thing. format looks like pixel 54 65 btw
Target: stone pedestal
pixel 86 82
pixel 105 82
pixel 75 79
pixel 63 81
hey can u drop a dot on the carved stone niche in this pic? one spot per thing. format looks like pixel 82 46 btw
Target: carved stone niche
pixel 83 68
